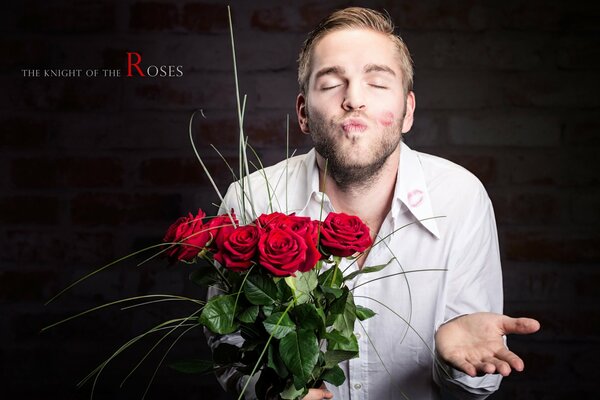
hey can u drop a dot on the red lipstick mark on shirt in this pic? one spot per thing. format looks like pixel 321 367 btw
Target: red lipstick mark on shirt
pixel 387 118
pixel 415 198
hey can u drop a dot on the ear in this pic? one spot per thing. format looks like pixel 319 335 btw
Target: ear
pixel 409 113
pixel 301 113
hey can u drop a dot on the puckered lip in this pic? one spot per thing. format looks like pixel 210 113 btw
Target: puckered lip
pixel 354 125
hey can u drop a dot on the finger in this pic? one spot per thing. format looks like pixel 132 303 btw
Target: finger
pixel 521 326
pixel 485 368
pixel 501 367
pixel 465 367
pixel 318 394
pixel 513 360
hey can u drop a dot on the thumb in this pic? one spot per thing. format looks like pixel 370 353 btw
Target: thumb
pixel 520 326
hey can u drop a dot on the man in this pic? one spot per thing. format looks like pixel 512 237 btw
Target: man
pixel 439 314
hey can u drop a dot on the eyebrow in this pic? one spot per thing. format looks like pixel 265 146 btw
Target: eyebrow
pixel 379 68
pixel 337 70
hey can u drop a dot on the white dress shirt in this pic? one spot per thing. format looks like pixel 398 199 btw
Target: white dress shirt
pixel 440 220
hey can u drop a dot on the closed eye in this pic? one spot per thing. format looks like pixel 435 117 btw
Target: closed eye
pixel 330 87
pixel 377 86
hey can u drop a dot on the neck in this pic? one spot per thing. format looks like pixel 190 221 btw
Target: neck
pixel 371 201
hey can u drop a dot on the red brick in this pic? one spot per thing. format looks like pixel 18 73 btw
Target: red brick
pixel 205 17
pixel 73 94
pixel 270 20
pixel 585 208
pixel 499 51
pixel 456 90
pixel 169 93
pixel 20 133
pixel 535 168
pixel 121 208
pixel 524 208
pixel 277 91
pixel 552 89
pixel 578 52
pixel 153 16
pixel 25 286
pixel 67 172
pixel 504 129
pixel 35 210
pixel 546 283
pixel 581 166
pixel 177 171
pixel 25 53
pixel 583 130
pixel 68 16
pixel 262 130
pixel 313 12
pixel 546 245
pixel 537 14
pixel 466 15
pixel 27 247
pixel 483 167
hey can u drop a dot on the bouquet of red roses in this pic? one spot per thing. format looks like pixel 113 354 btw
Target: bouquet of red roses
pixel 281 289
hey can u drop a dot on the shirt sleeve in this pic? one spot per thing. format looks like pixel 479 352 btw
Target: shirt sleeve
pixel 474 285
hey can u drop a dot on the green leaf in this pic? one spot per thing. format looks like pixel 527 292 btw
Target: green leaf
pixel 195 366
pixel 339 304
pixel 335 375
pixel 367 270
pixel 268 309
pixel 309 316
pixel 300 353
pixel 334 357
pixel 332 277
pixel 275 362
pixel 205 277
pixel 291 393
pixel 260 290
pixel 279 325
pixel 249 314
pixel 284 292
pixel 344 322
pixel 332 293
pixel 303 284
pixel 337 341
pixel 363 313
pixel 218 315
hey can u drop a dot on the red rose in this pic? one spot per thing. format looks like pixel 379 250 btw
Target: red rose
pixel 220 228
pixel 283 252
pixel 343 235
pixel 273 220
pixel 239 250
pixel 189 236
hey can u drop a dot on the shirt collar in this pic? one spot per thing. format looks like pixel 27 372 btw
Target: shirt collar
pixel 410 191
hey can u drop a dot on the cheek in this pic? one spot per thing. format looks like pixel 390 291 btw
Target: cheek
pixel 386 118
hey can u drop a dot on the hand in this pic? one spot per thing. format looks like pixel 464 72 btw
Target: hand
pixel 318 394
pixel 473 343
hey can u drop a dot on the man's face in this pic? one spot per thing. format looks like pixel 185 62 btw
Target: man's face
pixel 355 108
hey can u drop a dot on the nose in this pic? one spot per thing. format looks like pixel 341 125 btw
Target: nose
pixel 354 98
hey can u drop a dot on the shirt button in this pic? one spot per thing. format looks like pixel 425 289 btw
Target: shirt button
pixel 357 386
pixel 357 335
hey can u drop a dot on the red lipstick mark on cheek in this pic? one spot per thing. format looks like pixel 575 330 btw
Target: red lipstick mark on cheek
pixel 387 118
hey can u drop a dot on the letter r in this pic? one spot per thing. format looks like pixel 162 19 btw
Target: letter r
pixel 134 64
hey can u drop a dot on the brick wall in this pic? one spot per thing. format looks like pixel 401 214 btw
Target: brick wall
pixel 95 168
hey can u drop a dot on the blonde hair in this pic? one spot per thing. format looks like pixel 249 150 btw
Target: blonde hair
pixel 354 18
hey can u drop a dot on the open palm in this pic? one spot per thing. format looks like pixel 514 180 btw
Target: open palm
pixel 474 343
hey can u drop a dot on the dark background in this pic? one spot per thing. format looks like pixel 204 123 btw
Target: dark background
pixel 94 168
